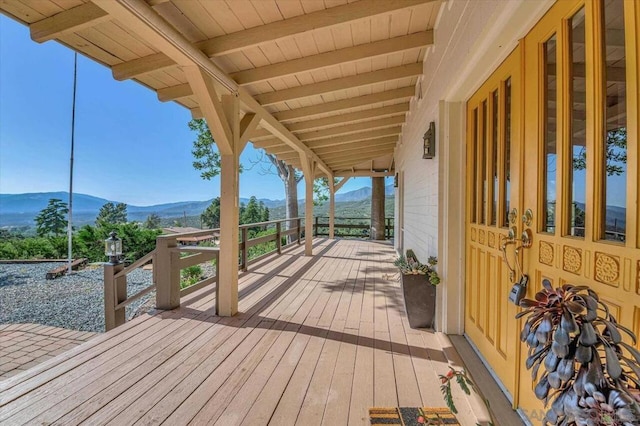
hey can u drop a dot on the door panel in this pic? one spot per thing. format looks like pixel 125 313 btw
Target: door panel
pixel 492 153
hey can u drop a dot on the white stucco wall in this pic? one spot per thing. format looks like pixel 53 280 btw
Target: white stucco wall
pixel 472 37
pixel 459 26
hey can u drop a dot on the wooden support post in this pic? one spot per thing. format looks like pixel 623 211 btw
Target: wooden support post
pixel 227 289
pixel 168 274
pixel 378 223
pixel 245 248
pixel 278 237
pixel 309 170
pixel 332 207
pixel 299 227
pixel 115 292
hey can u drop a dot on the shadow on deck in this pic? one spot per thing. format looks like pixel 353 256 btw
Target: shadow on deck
pixel 318 340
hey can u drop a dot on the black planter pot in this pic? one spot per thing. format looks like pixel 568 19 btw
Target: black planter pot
pixel 419 300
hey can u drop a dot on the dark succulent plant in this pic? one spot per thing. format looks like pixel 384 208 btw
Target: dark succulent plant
pixel 591 375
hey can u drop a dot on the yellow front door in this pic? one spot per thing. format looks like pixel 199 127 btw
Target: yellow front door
pixel 552 137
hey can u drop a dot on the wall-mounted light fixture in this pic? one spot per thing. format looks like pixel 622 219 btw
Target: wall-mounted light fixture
pixel 430 141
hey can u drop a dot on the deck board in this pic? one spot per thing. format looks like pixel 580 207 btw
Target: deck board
pixel 318 340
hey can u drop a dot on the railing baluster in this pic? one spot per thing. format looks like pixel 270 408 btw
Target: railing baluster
pixel 278 238
pixel 245 249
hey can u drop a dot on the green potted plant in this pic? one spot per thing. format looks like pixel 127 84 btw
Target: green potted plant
pixel 591 375
pixel 419 282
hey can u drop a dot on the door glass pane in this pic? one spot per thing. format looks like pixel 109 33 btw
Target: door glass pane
pixel 506 181
pixel 482 160
pixel 474 166
pixel 550 145
pixel 615 139
pixel 494 156
pixel 578 175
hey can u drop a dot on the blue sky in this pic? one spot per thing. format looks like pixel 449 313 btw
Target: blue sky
pixel 129 146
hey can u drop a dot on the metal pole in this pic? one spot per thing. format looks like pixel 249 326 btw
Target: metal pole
pixel 73 128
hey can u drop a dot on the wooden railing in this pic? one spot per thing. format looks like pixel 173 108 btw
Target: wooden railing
pixel 169 258
pixel 363 230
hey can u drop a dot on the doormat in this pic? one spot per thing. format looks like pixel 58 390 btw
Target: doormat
pixel 412 416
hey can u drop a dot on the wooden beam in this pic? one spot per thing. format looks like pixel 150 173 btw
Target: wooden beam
pixel 364 173
pixel 354 161
pixel 356 137
pixel 248 125
pixel 152 28
pixel 173 93
pixel 306 113
pixel 351 117
pixel 229 43
pixel 347 149
pixel 211 106
pixel 341 119
pixel 357 145
pixel 352 153
pixel 337 84
pixel 352 128
pixel 71 20
pixel 340 56
pixel 341 183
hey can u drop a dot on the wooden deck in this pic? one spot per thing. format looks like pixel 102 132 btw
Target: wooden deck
pixel 319 340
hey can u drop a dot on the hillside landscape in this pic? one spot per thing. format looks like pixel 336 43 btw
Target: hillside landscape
pixel 19 210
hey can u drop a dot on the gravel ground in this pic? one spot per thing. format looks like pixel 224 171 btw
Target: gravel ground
pixel 74 302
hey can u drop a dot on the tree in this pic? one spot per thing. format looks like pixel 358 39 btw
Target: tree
pixel 211 216
pixel 112 214
pixel 290 178
pixel 206 157
pixel 51 219
pixel 616 155
pixel 153 221
pixel 252 213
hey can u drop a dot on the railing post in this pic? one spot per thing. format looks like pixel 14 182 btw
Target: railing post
pixel 299 231
pixel 245 249
pixel 315 227
pixel 278 237
pixel 115 292
pixel 168 274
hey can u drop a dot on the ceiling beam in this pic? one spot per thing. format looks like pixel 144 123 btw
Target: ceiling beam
pixel 351 118
pixel 344 83
pixel 336 57
pixel 363 173
pixel 351 153
pixel 356 161
pixel 74 19
pixel 306 113
pixel 356 145
pixel 229 43
pixel 362 136
pixel 339 140
pixel 151 27
pixel 352 128
pixel 173 93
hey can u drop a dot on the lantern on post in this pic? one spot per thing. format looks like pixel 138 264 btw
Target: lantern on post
pixel 113 248
pixel 430 141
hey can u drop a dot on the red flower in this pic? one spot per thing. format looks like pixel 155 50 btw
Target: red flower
pixel 420 419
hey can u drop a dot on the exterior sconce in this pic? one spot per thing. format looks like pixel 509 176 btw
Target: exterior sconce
pixel 113 248
pixel 430 141
pixel 395 181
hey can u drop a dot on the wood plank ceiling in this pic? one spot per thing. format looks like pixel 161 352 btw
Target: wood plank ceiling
pixel 338 74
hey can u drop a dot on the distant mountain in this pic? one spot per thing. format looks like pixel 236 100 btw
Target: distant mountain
pixel 21 209
pixel 363 193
